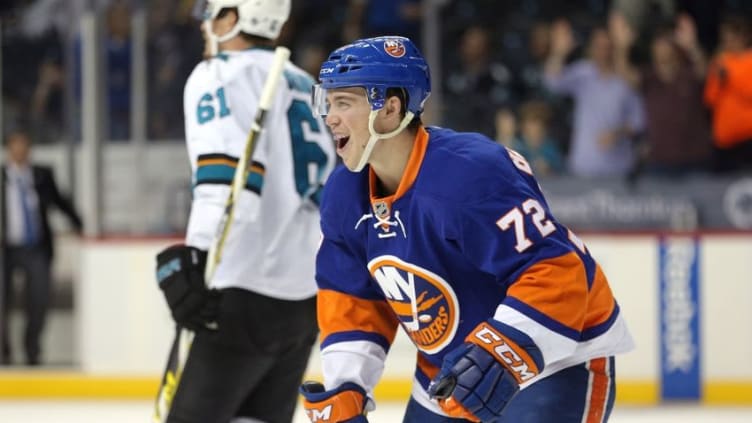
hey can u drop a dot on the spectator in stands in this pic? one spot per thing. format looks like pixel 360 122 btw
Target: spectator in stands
pixel 310 56
pixel 728 93
pixel 505 123
pixel 28 193
pixel 174 47
pixel 46 110
pixel 528 76
pixel 677 135
pixel 369 18
pixel 477 86
pixel 641 15
pixel 31 75
pixel 608 113
pixel 528 67
pixel 317 22
pixel 118 45
pixel 534 143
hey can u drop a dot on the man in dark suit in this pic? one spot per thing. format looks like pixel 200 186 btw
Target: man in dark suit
pixel 29 192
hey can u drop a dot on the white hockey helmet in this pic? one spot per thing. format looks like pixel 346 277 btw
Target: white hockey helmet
pixel 262 18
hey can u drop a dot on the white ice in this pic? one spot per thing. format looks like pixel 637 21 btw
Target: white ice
pixel 46 411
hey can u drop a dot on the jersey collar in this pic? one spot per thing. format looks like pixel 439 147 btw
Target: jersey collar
pixel 408 176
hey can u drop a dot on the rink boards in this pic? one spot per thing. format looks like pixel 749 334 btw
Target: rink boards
pixel 687 300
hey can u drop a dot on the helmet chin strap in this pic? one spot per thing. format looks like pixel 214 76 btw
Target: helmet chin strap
pixel 214 39
pixel 375 136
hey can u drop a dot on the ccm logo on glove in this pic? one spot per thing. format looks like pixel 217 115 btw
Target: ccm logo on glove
pixel 344 404
pixel 517 360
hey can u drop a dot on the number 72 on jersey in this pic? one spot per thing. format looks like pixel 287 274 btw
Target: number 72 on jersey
pixel 515 218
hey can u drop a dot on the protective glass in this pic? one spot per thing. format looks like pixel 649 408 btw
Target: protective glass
pixel 318 100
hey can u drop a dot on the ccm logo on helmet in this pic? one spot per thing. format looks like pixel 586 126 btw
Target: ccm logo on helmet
pixel 394 48
pixel 326 70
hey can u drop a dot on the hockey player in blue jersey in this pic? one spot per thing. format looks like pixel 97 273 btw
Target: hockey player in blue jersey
pixel 448 235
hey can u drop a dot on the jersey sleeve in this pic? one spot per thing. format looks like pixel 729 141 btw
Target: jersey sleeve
pixel 216 127
pixel 357 326
pixel 555 291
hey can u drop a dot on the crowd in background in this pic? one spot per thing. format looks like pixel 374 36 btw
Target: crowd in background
pixel 591 88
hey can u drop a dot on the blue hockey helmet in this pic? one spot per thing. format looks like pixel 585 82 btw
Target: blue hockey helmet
pixel 376 64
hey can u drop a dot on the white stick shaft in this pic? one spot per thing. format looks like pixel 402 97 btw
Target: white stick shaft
pixel 281 54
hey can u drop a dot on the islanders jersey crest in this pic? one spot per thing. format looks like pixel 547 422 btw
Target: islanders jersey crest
pixel 425 303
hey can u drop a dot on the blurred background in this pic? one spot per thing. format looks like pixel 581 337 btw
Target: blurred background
pixel 636 116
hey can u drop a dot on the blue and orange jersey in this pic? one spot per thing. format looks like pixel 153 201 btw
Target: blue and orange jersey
pixel 466 238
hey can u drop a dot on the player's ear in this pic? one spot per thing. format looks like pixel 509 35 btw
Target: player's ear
pixel 233 16
pixel 393 107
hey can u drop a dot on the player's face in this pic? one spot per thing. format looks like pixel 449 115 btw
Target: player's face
pixel 347 118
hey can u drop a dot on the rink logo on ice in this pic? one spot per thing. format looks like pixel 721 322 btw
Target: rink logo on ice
pixel 394 47
pixel 424 302
pixel 680 318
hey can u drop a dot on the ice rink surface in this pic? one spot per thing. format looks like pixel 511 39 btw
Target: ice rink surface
pixel 35 411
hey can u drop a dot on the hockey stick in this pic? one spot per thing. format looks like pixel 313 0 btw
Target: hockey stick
pixel 181 346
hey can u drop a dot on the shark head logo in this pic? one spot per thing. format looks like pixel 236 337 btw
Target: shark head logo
pixel 424 302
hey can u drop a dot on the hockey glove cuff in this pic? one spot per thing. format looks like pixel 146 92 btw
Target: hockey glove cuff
pixel 180 273
pixel 479 378
pixel 345 404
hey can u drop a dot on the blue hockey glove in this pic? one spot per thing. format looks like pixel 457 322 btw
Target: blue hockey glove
pixel 180 273
pixel 479 378
pixel 345 404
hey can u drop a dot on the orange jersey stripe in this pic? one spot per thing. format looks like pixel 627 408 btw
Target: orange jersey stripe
pixel 217 161
pixel 338 312
pixel 601 301
pixel 598 392
pixel 454 409
pixel 427 368
pixel 258 169
pixel 556 287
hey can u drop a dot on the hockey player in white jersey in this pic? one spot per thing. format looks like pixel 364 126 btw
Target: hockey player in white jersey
pixel 255 320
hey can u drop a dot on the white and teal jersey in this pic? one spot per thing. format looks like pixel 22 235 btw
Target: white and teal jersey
pixel 272 240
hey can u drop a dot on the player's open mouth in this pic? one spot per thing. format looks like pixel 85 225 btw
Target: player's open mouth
pixel 342 142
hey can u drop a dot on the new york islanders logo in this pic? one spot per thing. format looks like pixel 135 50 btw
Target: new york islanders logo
pixel 394 48
pixel 424 302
